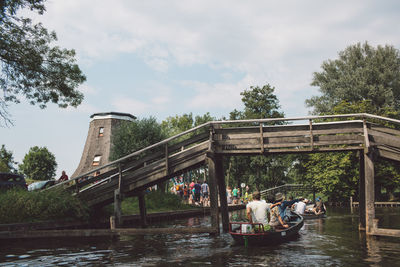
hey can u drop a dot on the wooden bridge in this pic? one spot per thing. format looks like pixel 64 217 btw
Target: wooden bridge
pixel 207 144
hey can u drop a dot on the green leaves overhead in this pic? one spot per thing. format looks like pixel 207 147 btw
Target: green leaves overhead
pixel 361 73
pixel 31 66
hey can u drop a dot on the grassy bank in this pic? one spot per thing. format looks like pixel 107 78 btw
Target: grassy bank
pixel 156 201
pixel 19 206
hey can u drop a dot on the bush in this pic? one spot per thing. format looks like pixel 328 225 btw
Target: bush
pixel 19 206
pixel 156 201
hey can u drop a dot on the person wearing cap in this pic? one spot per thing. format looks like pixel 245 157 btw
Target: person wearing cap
pixel 276 218
pixel 319 207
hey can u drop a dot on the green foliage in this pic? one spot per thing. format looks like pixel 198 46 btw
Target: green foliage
pixel 31 66
pixel 135 135
pixel 39 164
pixel 156 201
pixel 260 103
pixel 19 206
pixel 361 72
pixel 363 79
pixel 6 160
pixel 174 125
pixel 333 174
pixel 260 172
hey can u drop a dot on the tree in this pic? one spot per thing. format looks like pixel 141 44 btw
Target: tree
pixel 6 160
pixel 361 72
pixel 177 124
pixel 174 125
pixel 261 172
pixel 30 65
pixel 363 79
pixel 135 135
pixel 39 164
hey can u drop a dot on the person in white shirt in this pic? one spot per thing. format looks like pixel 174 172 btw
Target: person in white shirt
pixel 300 207
pixel 257 210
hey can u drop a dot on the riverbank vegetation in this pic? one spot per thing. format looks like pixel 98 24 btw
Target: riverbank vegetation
pixel 20 206
pixel 156 201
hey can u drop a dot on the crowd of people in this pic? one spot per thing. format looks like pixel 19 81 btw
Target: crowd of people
pixel 195 193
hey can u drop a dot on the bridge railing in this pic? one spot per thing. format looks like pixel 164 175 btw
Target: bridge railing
pixel 208 129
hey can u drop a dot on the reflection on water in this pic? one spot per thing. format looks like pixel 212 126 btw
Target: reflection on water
pixel 333 241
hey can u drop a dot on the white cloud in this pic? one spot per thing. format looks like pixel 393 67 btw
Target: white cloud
pixel 130 105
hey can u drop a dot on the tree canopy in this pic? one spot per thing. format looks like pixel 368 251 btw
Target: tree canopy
pixel 39 164
pixel 6 160
pixel 31 66
pixel 361 73
pixel 260 172
pixel 363 79
pixel 135 135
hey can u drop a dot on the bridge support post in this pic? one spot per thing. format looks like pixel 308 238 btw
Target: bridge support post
pixel 222 193
pixel 361 192
pixel 142 208
pixel 369 193
pixel 117 207
pixel 212 183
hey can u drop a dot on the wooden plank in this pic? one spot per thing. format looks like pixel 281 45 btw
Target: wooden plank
pixel 306 133
pixel 242 146
pixel 311 135
pixel 261 138
pixel 222 192
pixel 160 175
pixel 369 192
pixel 389 155
pixel 284 151
pixel 383 129
pixel 361 189
pixel 382 138
pixel 386 232
pixel 212 184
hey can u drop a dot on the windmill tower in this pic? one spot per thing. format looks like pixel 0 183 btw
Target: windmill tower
pixel 98 141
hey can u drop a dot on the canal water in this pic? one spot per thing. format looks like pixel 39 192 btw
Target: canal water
pixel 332 241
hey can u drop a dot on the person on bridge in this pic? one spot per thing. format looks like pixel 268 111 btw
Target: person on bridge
pixel 63 177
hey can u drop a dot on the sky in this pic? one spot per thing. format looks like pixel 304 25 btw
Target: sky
pixel 167 58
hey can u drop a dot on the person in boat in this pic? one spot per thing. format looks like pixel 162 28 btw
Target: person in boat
pixel 258 211
pixel 279 197
pixel 276 220
pixel 319 207
pixel 300 207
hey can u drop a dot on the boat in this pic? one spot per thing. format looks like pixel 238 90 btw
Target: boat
pixel 248 234
pixel 309 214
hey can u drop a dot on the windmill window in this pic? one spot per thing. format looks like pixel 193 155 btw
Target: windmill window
pixel 101 131
pixel 96 160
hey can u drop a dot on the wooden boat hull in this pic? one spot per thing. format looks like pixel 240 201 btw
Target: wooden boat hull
pixel 267 237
